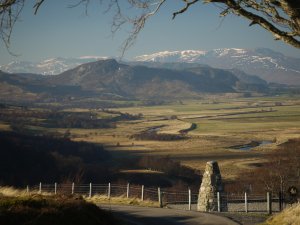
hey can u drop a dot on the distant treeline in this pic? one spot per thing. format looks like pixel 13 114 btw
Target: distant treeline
pixel 85 120
pixel 85 103
pixel 18 117
pixel 27 160
pixel 77 120
pixel 153 135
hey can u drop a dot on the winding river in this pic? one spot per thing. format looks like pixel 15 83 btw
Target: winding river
pixel 251 145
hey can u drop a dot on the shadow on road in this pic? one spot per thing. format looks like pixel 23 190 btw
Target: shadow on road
pixel 134 215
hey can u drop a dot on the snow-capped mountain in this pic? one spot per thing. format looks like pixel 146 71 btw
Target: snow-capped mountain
pixel 265 63
pixel 172 56
pixel 51 66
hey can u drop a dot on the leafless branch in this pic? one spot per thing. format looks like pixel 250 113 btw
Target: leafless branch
pixel 187 6
pixel 9 14
pixel 81 2
pixel 148 8
pixel 279 17
pixel 37 5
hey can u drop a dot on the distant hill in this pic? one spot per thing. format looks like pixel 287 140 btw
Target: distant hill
pixel 33 87
pixel 249 82
pixel 117 80
pixel 13 87
pixel 111 77
pixel 265 63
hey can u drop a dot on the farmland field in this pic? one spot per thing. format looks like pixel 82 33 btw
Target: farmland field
pixel 216 126
pixel 220 125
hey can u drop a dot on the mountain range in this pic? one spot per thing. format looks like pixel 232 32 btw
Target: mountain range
pixel 111 79
pixel 264 63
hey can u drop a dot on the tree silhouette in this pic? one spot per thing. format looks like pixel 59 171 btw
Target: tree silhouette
pixel 279 17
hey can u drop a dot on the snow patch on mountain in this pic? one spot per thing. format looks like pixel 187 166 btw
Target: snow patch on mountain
pixel 235 55
pixel 270 65
pixel 93 57
pixel 165 56
pixel 51 66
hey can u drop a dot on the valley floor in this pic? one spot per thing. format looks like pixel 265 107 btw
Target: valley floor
pixel 213 128
pixel 220 125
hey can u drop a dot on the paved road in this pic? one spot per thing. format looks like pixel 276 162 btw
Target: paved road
pixel 155 216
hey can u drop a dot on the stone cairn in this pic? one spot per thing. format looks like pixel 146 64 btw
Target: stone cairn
pixel 210 186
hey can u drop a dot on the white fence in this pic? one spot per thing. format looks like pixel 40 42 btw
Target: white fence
pixel 181 199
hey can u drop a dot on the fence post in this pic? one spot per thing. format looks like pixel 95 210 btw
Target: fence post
pixel 190 200
pixel 280 201
pixel 73 187
pixel 40 188
pixel 159 197
pixel 142 196
pixel 269 203
pixel 128 187
pixel 246 202
pixel 108 192
pixel 219 201
pixel 27 189
pixel 55 188
pixel 90 193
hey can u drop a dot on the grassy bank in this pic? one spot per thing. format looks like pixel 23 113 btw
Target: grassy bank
pixel 121 200
pixel 47 210
pixel 290 216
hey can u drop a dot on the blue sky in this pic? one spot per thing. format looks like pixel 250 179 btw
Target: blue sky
pixel 60 31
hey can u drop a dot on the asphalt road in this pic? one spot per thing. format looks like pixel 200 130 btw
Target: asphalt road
pixel 134 215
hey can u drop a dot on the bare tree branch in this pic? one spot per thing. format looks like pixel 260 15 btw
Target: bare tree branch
pixel 273 20
pixel 82 2
pixel 9 13
pixel 279 17
pixel 148 8
pixel 188 4
pixel 37 5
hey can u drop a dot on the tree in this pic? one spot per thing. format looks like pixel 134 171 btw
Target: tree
pixel 282 169
pixel 9 13
pixel 279 17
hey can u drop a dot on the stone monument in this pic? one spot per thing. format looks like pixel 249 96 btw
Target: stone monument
pixel 210 186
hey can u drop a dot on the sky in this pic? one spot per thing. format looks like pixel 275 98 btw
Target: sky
pixel 60 31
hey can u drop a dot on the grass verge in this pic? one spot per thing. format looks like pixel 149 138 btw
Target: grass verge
pixel 48 210
pixel 289 216
pixel 121 200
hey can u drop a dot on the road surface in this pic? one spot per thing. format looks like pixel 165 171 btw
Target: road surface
pixel 135 215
